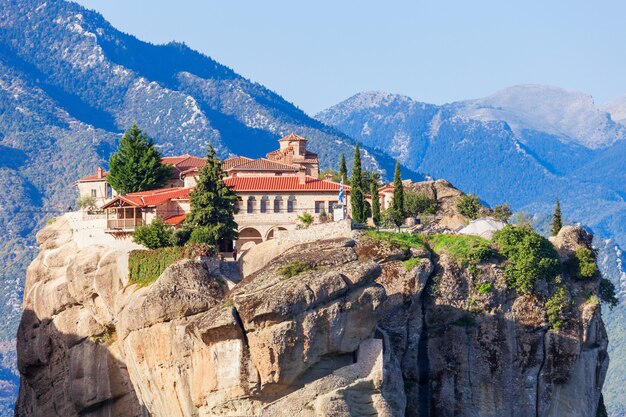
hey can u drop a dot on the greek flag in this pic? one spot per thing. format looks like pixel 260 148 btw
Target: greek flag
pixel 341 192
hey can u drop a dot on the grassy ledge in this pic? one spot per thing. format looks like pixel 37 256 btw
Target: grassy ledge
pixel 465 249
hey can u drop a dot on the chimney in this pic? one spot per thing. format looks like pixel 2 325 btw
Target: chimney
pixel 301 177
pixel 100 173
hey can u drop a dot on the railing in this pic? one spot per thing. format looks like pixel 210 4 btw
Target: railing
pixel 123 224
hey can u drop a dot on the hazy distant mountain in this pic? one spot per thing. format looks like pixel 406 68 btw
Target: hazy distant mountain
pixel 525 145
pixel 617 109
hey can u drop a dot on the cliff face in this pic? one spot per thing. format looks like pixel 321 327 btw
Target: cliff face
pixel 356 334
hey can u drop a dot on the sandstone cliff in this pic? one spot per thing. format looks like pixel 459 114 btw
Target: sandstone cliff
pixel 357 334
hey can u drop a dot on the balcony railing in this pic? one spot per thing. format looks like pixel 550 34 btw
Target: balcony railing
pixel 124 224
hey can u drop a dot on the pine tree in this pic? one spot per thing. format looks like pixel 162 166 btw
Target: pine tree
pixel 213 205
pixel 356 191
pixel 398 190
pixel 376 218
pixel 136 165
pixel 343 169
pixel 557 222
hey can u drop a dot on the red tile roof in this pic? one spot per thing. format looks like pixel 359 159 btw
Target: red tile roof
pixel 277 183
pixel 263 164
pixel 176 219
pixel 94 177
pixel 151 198
pixel 291 137
pixel 183 163
pixel 230 163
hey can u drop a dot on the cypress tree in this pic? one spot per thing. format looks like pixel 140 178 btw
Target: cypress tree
pixel 557 222
pixel 343 169
pixel 356 192
pixel 375 205
pixel 398 190
pixel 136 165
pixel 213 205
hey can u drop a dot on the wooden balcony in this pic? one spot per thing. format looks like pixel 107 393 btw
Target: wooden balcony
pixel 123 225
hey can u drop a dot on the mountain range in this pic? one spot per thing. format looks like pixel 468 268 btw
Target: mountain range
pixel 70 84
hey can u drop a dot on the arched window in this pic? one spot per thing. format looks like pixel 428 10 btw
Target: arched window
pixel 264 202
pixel 278 200
pixel 291 204
pixel 251 201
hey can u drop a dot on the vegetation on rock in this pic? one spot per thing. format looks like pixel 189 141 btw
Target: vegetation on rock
pixel 465 249
pixel 155 235
pixel 607 293
pixel 305 219
pixel 557 307
pixel 531 257
pixel 404 241
pixel 417 203
pixel 145 266
pixel 469 206
pixel 557 222
pixel 294 268
pixel 582 264
pixel 502 212
pixel 86 202
pixel 136 165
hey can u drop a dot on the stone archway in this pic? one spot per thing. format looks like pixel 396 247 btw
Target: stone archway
pixel 248 237
pixel 270 234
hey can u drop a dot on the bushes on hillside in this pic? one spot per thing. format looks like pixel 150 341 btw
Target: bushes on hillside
pixel 531 257
pixel 155 235
pixel 607 293
pixel 469 206
pixel 417 203
pixel 502 212
pixel 557 307
pixel 582 264
pixel 465 249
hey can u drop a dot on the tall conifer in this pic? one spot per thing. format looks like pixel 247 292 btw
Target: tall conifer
pixel 136 165
pixel 357 195
pixel 557 222
pixel 213 204
pixel 343 169
pixel 398 190
pixel 375 205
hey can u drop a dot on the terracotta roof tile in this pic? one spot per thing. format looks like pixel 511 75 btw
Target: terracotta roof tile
pixel 277 183
pixel 176 219
pixel 230 163
pixel 152 197
pixel 94 177
pixel 263 164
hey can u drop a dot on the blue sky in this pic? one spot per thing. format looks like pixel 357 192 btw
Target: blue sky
pixel 318 53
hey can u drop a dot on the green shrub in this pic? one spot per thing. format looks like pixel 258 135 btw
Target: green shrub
pixel 305 220
pixel 404 241
pixel 465 249
pixel 155 235
pixel 531 257
pixel 502 212
pixel 52 220
pixel 181 236
pixel 484 288
pixel 582 264
pixel 410 264
pixel 207 235
pixel 469 206
pixel 145 266
pixel 607 293
pixel 86 202
pixel 466 320
pixel 557 307
pixel 294 268
pixel 417 203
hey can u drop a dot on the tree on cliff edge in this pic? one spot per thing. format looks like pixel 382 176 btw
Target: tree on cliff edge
pixel 213 205
pixel 136 165
pixel 557 222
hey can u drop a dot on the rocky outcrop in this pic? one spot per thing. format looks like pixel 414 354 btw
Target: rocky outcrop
pixel 358 331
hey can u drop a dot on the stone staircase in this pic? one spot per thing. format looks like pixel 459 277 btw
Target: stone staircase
pixel 231 272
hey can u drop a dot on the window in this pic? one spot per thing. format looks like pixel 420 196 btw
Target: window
pixel 277 202
pixel 291 204
pixel 251 204
pixel 238 205
pixel 331 206
pixel 319 206
pixel 109 191
pixel 94 193
pixel 264 201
